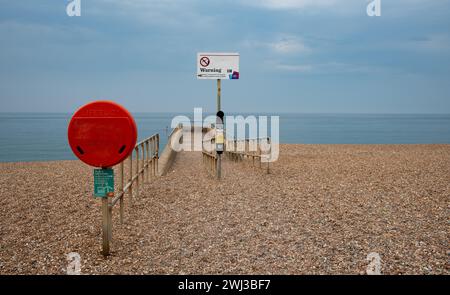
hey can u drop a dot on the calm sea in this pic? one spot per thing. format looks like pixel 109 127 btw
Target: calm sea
pixel 39 136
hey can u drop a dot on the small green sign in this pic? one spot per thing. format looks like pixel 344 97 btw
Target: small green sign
pixel 103 182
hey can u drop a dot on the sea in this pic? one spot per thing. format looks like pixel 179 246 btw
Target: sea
pixel 43 136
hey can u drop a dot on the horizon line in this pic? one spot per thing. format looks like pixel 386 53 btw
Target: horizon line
pixel 245 112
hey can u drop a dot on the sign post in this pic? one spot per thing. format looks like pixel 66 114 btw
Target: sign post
pixel 218 66
pixel 219 142
pixel 103 134
pixel 104 188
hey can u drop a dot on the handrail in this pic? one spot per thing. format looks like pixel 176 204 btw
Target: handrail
pixel 149 148
pixel 146 167
pixel 238 154
pixel 209 158
pixel 179 126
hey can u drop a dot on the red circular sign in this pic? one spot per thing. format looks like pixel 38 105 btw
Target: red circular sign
pixel 204 61
pixel 102 134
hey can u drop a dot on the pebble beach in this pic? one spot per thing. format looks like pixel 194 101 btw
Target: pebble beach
pixel 322 210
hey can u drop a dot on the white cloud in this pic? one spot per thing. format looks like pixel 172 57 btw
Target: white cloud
pixel 393 7
pixel 168 13
pixel 295 68
pixel 326 68
pixel 288 45
pixel 283 45
pixel 289 4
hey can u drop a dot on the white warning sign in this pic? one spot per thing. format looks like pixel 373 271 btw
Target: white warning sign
pixel 218 66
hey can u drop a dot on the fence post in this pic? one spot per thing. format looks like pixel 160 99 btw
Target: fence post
pixel 130 179
pixel 144 162
pixel 212 165
pixel 105 226
pixel 137 172
pixel 153 157
pixel 246 147
pixel 109 220
pixel 259 152
pixel 157 154
pixel 142 171
pixel 150 157
pixel 121 181
pixel 147 160
pixel 270 151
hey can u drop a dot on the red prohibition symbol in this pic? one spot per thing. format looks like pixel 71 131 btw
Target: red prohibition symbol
pixel 204 61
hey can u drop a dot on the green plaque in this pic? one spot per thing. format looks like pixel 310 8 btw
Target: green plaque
pixel 103 182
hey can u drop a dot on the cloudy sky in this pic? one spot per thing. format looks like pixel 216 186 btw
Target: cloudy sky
pixel 307 56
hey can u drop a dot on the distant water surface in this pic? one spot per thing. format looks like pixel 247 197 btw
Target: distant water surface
pixel 41 137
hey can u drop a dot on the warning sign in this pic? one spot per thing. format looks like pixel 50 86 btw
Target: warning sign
pixel 218 66
pixel 103 182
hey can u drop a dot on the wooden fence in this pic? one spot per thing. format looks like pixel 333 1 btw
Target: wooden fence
pixel 238 150
pixel 141 169
pixel 210 157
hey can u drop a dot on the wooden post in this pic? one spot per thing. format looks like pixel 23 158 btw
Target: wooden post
pixel 157 154
pixel 270 150
pixel 150 158
pixel 218 156
pixel 247 144
pixel 153 157
pixel 259 152
pixel 137 172
pixel 219 166
pixel 109 219
pixel 143 164
pixel 130 179
pixel 143 167
pixel 121 184
pixel 147 148
pixel 105 226
pixel 219 92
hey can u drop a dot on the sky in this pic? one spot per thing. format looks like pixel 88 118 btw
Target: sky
pixel 301 56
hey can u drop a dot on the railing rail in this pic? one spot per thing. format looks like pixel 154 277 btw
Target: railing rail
pixel 144 167
pixel 238 149
pixel 210 158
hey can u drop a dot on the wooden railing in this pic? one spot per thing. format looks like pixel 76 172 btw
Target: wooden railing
pixel 238 150
pixel 210 157
pixel 146 155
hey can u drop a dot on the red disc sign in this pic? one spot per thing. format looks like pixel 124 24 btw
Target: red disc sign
pixel 102 134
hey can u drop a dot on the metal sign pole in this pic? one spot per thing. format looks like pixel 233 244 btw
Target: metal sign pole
pixel 219 159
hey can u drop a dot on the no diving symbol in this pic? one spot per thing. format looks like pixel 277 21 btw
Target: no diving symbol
pixel 204 61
